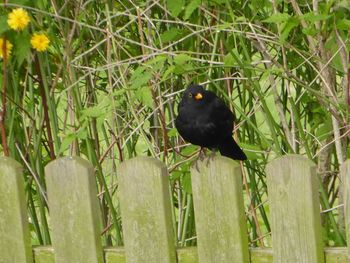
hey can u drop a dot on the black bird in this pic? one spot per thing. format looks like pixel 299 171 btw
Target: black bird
pixel 204 119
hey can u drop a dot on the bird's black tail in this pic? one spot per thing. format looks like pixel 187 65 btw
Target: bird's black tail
pixel 230 148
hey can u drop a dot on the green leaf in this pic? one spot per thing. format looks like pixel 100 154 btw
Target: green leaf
pixel 170 70
pixel 66 142
pixel 324 130
pixel 119 92
pixel 277 18
pixel 3 24
pixel 182 69
pixel 156 60
pixel 187 183
pixel 92 112
pixel 260 4
pixel 291 23
pixel 95 111
pixel 229 61
pixel 310 30
pixel 193 5
pixel 140 79
pixel 175 6
pixel 138 72
pixel 141 146
pixel 343 24
pixel 171 35
pixel 332 46
pixel 176 175
pixel 182 64
pixel 22 47
pixel 253 152
pixel 172 132
pixel 19 2
pixel 181 59
pixel 144 95
pixel 241 19
pixel 348 153
pixel 312 17
pixel 217 2
pixel 188 150
pixel 156 64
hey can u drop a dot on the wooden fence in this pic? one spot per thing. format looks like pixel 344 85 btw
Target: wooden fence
pixel 146 214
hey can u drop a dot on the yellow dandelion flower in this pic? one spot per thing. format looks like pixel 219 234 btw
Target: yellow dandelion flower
pixel 18 19
pixel 40 42
pixel 8 48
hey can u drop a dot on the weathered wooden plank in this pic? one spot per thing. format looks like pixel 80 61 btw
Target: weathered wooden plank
pixel 145 210
pixel 219 211
pixel 261 255
pixel 294 210
pixel 190 255
pixel 114 255
pixel 332 255
pixel 345 177
pixel 187 255
pixel 44 254
pixel 74 211
pixel 15 241
pixel 336 255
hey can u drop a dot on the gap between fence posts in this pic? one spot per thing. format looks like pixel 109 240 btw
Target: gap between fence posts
pixel 219 211
pixel 294 210
pixel 74 211
pixel 15 242
pixel 146 211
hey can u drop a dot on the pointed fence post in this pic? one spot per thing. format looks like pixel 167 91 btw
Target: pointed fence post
pixel 15 243
pixel 74 211
pixel 345 178
pixel 146 212
pixel 219 211
pixel 295 210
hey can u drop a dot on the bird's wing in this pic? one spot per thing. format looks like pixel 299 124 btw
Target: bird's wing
pixel 223 115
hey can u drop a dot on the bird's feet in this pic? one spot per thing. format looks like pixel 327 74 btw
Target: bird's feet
pixel 201 157
pixel 201 154
pixel 211 157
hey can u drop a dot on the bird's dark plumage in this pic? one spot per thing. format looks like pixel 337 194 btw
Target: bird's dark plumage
pixel 204 119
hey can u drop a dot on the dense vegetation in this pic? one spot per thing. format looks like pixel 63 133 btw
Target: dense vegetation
pixel 106 88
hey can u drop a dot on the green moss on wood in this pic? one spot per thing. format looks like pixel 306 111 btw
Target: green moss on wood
pixel 74 211
pixel 294 210
pixel 146 211
pixel 190 255
pixel 44 254
pixel 218 204
pixel 15 244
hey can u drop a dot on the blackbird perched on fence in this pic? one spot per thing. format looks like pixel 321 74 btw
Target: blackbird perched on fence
pixel 204 119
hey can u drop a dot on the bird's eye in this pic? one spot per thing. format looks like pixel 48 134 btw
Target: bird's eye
pixel 190 95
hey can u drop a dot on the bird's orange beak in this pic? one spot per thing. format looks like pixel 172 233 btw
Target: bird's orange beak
pixel 198 96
